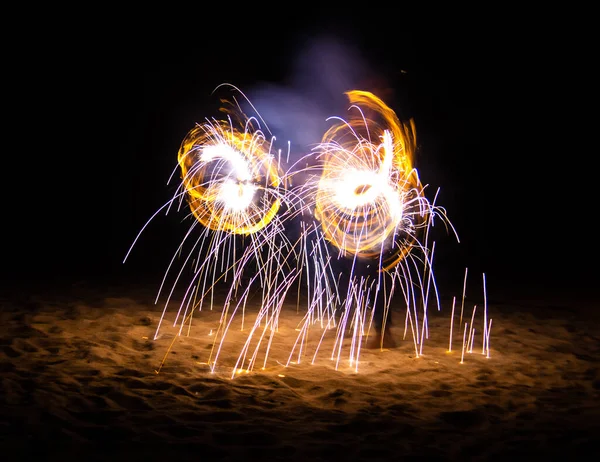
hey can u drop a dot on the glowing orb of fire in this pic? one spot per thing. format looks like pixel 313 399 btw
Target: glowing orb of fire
pixel 369 198
pixel 230 177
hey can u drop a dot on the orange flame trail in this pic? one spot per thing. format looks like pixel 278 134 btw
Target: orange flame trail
pixel 370 199
pixel 230 176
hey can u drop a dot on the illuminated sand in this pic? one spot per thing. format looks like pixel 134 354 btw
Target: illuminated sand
pixel 78 379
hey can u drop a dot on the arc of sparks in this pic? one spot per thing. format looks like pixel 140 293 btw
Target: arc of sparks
pixel 230 176
pixel 370 198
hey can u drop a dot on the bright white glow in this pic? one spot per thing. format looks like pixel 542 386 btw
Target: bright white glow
pixel 235 196
pixel 235 193
pixel 355 188
pixel 359 188
pixel 239 163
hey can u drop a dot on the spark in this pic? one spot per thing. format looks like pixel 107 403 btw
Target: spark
pixel 371 207
pixel 369 196
pixel 356 196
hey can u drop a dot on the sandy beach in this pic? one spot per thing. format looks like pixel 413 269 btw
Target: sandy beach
pixel 84 377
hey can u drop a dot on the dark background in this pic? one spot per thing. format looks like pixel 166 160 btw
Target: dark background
pixel 111 95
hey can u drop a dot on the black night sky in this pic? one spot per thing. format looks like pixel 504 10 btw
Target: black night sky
pixel 117 96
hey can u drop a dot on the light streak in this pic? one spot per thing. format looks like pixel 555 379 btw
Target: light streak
pixel 356 197
pixel 230 177
pixel 372 208
pixel 451 324
pixel 462 356
pixel 369 198
pixel 484 316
